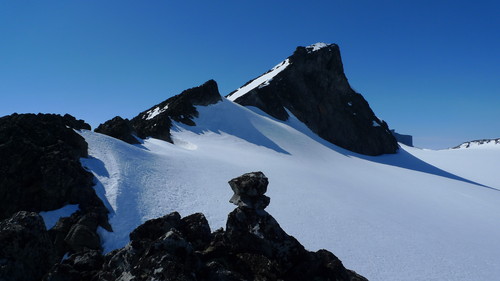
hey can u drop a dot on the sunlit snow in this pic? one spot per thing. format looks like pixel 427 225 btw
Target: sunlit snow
pixel 415 215
pixel 261 81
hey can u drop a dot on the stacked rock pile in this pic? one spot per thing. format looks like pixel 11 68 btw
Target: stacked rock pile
pixel 249 191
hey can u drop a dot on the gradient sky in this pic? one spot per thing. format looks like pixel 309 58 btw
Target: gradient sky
pixel 429 68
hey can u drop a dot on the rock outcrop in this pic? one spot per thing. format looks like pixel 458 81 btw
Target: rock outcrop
pixel 156 122
pixel 118 128
pixel 40 168
pixel 41 171
pixel 253 247
pixel 312 86
pixel 26 251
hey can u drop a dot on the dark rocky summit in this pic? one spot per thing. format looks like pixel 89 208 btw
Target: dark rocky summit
pixel 157 121
pixel 253 247
pixel 314 88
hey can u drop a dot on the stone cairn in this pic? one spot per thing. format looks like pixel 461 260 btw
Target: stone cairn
pixel 249 191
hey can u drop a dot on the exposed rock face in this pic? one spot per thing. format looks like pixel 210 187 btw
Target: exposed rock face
pixel 118 128
pixel 314 88
pixel 26 251
pixel 253 247
pixel 40 168
pixel 157 121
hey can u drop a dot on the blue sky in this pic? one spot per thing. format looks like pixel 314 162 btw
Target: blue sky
pixel 429 68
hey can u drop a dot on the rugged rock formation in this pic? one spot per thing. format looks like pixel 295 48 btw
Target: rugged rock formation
pixel 41 171
pixel 118 128
pixel 157 121
pixel 253 247
pixel 26 251
pixel 40 168
pixel 311 85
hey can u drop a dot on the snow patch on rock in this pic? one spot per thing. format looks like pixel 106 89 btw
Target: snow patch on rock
pixel 261 81
pixel 315 47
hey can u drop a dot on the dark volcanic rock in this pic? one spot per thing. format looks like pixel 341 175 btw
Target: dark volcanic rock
pixel 315 89
pixel 157 121
pixel 118 128
pixel 253 247
pixel 26 251
pixel 82 266
pixel 40 168
pixel 155 228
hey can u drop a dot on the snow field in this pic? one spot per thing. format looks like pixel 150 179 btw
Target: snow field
pixel 410 216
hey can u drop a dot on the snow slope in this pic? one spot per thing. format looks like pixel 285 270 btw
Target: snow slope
pixel 416 215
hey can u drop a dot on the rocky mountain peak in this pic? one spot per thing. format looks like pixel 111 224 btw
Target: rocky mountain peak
pixel 311 85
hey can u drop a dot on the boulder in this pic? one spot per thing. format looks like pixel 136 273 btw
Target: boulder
pixel 249 191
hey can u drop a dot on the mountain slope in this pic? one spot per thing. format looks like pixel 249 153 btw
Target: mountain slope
pixel 393 217
pixel 311 84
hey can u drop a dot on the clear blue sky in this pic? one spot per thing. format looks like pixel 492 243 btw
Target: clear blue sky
pixel 429 68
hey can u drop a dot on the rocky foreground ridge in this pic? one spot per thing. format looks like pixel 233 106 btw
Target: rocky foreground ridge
pixel 42 154
pixel 252 247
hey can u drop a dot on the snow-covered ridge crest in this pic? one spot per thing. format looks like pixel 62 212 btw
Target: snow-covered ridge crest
pixel 260 81
pixel 484 143
pixel 315 47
